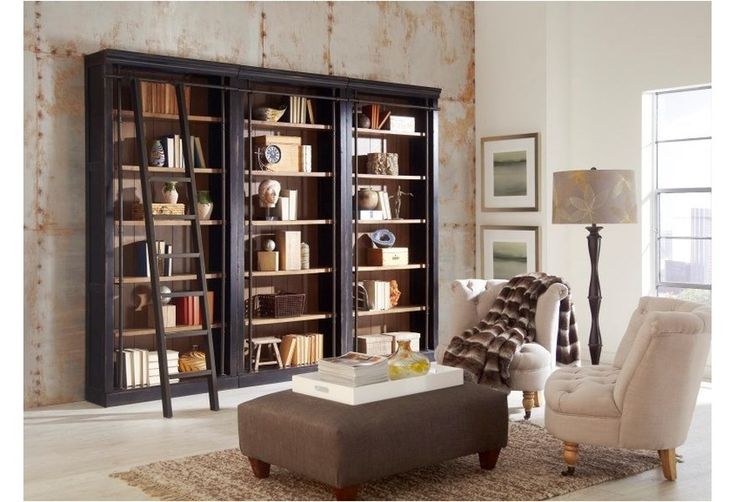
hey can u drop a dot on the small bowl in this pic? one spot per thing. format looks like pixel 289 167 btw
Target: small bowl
pixel 268 114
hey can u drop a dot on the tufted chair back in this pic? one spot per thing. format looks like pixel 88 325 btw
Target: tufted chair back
pixel 661 360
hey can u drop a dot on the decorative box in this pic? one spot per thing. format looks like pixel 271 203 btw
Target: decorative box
pixel 375 345
pixel 290 147
pixel 405 335
pixel 288 243
pixel 387 256
pixel 157 208
pixel 400 123
pixel 267 261
pixel 169 316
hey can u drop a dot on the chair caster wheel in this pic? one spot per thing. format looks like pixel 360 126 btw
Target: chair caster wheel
pixel 568 472
pixel 527 415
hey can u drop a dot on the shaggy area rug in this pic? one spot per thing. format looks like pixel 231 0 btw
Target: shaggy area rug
pixel 528 469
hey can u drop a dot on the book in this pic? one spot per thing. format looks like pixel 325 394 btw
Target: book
pixel 127 362
pixel 200 152
pixel 142 265
pixel 287 347
pixel 168 262
pixel 292 203
pixel 384 204
pixel 310 109
pixel 305 151
pixel 354 369
pixel 283 209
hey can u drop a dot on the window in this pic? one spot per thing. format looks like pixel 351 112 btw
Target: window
pixel 683 193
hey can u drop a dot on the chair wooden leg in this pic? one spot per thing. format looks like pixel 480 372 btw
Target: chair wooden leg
pixel 488 459
pixel 527 403
pixel 346 492
pixel 536 400
pixel 260 469
pixel 570 457
pixel 668 463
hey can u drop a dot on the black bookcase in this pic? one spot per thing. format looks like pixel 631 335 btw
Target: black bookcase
pixel 224 100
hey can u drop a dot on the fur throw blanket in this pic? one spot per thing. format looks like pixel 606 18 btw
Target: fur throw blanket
pixel 486 351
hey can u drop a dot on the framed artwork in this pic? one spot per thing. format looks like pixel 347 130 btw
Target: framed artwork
pixel 508 251
pixel 510 173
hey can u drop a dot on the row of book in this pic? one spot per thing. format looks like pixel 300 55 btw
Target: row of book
pixel 300 109
pixel 287 205
pixel 158 97
pixel 382 211
pixel 173 150
pixel 354 369
pixel 374 113
pixel 140 367
pixel 297 350
pixel 378 293
pixel 189 310
pixel 142 265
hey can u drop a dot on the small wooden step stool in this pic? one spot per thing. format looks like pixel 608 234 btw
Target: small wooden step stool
pixel 273 342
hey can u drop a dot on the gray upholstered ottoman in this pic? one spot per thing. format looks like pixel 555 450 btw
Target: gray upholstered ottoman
pixel 343 445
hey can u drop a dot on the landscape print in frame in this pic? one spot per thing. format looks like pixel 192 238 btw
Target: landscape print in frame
pixel 508 251
pixel 510 172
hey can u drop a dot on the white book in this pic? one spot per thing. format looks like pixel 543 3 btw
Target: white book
pixel 170 152
pixel 127 362
pixel 385 205
pixel 292 204
pixel 305 158
pixel 283 208
pixel 371 214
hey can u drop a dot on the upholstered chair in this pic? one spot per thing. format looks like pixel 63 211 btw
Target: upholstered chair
pixel 645 399
pixel 471 300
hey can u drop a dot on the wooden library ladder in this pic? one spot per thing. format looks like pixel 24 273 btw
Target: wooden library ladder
pixel 188 179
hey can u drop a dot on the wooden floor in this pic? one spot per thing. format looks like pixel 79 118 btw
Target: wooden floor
pixel 71 449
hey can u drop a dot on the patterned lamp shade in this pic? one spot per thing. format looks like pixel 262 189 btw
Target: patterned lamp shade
pixel 594 196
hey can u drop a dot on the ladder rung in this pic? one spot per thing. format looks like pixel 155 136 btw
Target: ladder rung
pixel 167 179
pixel 178 255
pixel 189 217
pixel 180 334
pixel 191 374
pixel 181 294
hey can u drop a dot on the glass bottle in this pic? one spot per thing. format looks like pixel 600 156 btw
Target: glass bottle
pixel 405 363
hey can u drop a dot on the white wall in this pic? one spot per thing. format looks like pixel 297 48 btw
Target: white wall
pixel 575 72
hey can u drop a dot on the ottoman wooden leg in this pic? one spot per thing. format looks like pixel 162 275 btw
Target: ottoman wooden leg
pixel 489 458
pixel 570 457
pixel 528 400
pixel 346 492
pixel 668 463
pixel 260 469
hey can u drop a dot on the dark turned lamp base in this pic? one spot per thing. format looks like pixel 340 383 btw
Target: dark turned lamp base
pixel 595 293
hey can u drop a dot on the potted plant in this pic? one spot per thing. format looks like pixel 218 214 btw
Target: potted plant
pixel 204 205
pixel 170 194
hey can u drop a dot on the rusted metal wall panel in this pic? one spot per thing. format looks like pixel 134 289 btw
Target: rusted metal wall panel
pixel 422 43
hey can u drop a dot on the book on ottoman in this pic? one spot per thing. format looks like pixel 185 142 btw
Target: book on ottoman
pixel 354 369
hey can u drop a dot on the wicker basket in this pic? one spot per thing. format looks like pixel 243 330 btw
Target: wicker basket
pixel 279 304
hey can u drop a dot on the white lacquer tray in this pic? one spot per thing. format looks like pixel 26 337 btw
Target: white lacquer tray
pixel 438 377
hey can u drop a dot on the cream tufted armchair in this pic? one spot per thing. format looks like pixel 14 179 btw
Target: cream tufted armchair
pixel 646 398
pixel 471 300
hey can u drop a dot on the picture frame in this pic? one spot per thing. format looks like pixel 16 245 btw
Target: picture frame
pixel 510 173
pixel 507 251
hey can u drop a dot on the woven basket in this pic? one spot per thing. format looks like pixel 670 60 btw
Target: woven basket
pixel 194 360
pixel 279 304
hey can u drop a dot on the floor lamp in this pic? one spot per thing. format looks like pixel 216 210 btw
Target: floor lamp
pixel 590 197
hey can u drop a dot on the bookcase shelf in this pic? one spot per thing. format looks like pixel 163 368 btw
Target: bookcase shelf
pixel 219 99
pixel 394 310
pixel 264 124
pixel 152 331
pixel 287 174
pixel 164 278
pixel 385 132
pixel 261 321
pixel 171 170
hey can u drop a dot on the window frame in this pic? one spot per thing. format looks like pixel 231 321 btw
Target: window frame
pixel 658 282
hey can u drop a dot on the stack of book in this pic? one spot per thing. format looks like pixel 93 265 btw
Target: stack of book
pixel 173 148
pixel 158 97
pixel 165 265
pixel 299 110
pixel 189 311
pixel 378 294
pixel 287 205
pixel 382 211
pixel 354 369
pixel 140 367
pixel 299 350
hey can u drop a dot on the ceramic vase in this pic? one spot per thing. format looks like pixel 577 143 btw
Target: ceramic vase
pixel 170 194
pixel 405 363
pixel 157 155
pixel 204 205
